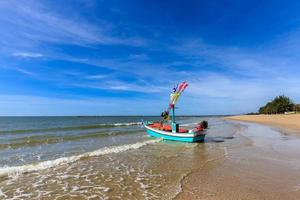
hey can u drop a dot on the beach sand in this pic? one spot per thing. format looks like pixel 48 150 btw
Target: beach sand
pixel 259 163
pixel 291 121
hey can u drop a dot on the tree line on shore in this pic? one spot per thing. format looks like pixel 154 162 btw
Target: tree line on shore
pixel 279 105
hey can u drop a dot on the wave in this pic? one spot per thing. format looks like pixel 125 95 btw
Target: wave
pixel 51 139
pixel 84 127
pixel 12 170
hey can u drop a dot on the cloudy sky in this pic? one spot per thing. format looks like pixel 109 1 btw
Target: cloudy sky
pixel 123 57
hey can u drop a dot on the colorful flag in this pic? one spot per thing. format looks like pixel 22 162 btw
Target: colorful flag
pixel 176 94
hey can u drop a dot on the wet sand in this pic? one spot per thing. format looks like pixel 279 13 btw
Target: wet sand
pixel 260 163
pixel 291 121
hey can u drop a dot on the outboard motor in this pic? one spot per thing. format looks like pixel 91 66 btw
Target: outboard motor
pixel 204 124
pixel 201 126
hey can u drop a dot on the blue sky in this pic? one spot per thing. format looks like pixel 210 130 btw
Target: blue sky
pixel 123 57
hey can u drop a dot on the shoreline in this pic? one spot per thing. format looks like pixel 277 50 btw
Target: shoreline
pixel 282 121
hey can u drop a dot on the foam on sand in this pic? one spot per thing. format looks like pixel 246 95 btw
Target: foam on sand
pixel 12 170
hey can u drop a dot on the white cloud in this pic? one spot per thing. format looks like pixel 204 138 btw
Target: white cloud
pixel 269 60
pixel 20 70
pixel 123 86
pixel 244 75
pixel 221 86
pixel 27 54
pixel 220 94
pixel 24 71
pixel 33 23
pixel 96 77
pixel 254 73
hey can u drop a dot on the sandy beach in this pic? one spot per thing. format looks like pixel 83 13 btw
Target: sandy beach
pixel 291 121
pixel 259 163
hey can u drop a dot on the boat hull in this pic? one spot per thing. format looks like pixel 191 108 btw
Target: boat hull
pixel 183 137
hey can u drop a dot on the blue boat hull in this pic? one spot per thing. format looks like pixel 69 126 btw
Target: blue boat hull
pixel 153 133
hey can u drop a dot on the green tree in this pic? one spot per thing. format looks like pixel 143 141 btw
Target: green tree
pixel 278 105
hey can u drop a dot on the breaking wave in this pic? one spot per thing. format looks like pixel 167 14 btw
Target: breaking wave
pixel 12 170
pixel 84 127
pixel 52 139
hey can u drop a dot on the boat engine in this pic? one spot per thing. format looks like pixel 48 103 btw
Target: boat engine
pixel 204 124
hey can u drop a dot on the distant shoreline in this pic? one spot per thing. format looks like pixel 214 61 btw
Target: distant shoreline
pixel 289 121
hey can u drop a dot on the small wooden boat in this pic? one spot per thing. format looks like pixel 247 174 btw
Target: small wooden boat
pixel 182 134
pixel 171 130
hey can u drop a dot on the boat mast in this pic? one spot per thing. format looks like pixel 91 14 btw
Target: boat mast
pixel 173 114
pixel 173 99
pixel 173 124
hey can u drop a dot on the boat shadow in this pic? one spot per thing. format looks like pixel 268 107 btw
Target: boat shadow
pixel 216 139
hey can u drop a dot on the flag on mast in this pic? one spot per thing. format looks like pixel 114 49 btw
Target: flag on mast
pixel 176 94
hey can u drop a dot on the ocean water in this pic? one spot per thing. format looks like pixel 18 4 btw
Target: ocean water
pixel 90 157
pixel 26 140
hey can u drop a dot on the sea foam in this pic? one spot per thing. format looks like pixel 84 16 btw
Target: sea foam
pixel 13 170
pixel 69 128
pixel 125 124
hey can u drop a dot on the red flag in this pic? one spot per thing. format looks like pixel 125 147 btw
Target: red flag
pixel 182 86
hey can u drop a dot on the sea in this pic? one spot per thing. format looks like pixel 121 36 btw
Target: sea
pixel 113 157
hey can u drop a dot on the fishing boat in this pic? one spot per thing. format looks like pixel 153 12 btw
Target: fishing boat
pixel 168 128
